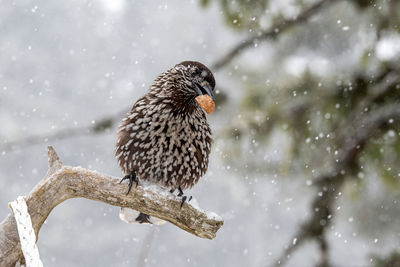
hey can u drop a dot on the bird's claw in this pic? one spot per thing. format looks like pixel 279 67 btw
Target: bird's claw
pixel 184 198
pixel 180 192
pixel 132 178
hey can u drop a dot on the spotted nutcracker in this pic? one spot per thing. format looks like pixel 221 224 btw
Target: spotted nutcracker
pixel 165 138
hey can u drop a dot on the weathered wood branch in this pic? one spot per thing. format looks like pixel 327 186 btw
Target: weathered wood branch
pixel 64 182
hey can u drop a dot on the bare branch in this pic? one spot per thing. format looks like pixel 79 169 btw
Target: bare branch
pixel 107 123
pixel 323 248
pixel 64 182
pixel 272 33
pixel 100 126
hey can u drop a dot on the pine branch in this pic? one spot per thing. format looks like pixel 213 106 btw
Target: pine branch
pixel 271 33
pixel 329 183
pixel 107 123
pixel 64 182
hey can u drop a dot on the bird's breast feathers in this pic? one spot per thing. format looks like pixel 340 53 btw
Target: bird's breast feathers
pixel 164 146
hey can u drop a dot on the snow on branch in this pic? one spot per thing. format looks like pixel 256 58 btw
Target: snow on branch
pixel 64 182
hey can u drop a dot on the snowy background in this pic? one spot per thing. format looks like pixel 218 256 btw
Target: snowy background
pixel 66 64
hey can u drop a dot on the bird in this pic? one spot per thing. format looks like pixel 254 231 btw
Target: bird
pixel 165 138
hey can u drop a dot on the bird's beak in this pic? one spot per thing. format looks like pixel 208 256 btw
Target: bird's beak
pixel 205 97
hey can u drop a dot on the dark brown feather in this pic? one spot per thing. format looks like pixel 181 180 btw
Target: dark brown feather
pixel 165 138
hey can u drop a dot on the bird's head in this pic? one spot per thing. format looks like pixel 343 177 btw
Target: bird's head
pixel 190 82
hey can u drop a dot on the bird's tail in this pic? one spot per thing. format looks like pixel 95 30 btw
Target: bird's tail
pixel 143 218
pixel 133 216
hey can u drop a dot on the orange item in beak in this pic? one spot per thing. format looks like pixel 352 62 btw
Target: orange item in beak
pixel 206 103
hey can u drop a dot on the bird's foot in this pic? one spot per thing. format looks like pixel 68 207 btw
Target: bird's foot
pixel 132 178
pixel 184 198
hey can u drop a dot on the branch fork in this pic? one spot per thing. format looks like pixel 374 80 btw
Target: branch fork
pixel 63 182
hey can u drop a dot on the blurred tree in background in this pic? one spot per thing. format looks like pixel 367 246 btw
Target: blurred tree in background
pixel 319 100
pixel 340 119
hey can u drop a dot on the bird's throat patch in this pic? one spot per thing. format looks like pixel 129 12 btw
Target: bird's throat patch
pixel 206 103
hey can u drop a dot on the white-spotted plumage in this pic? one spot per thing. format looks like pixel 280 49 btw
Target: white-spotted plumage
pixel 165 138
